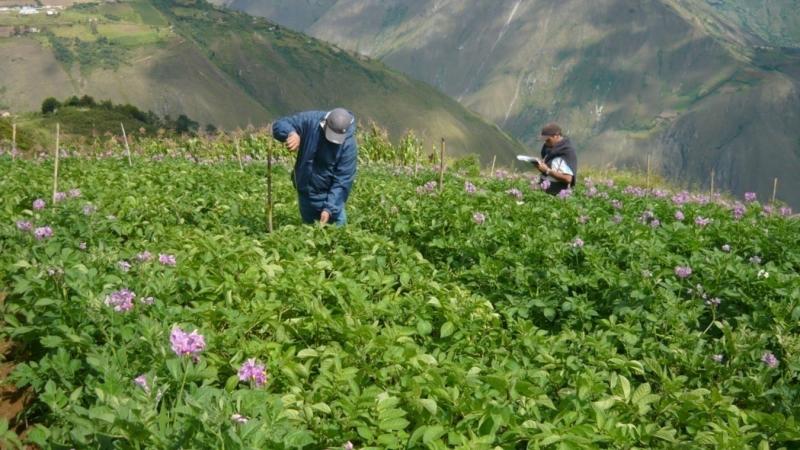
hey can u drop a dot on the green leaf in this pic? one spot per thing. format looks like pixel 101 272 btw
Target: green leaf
pixel 604 404
pixel 626 387
pixel 424 327
pixel 393 424
pixel 432 433
pixel 323 407
pixel 640 393
pixel 429 404
pixel 447 329
pixel 307 353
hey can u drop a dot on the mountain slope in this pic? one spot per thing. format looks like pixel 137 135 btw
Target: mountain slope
pixel 697 84
pixel 221 67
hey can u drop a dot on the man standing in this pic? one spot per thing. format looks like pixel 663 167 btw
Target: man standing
pixel 326 163
pixel 559 163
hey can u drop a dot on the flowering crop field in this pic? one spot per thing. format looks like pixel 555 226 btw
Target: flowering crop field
pixel 152 310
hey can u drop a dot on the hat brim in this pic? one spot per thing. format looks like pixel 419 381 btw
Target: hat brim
pixel 334 137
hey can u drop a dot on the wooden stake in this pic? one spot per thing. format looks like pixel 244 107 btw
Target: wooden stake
pixel 269 188
pixel 14 139
pixel 239 156
pixel 774 189
pixel 712 182
pixel 494 160
pixel 416 161
pixel 127 147
pixel 648 171
pixel 441 166
pixel 55 167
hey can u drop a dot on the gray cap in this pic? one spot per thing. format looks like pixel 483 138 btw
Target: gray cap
pixel 337 122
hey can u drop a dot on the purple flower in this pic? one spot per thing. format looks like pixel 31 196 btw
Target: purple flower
pixel 478 218
pixel 141 381
pixel 148 301
pixel 74 193
pixel 583 219
pixel 577 243
pixel 24 225
pixel 719 357
pixel 767 210
pixel 82 246
pixel 683 272
pixel 565 193
pixel 616 204
pixel 545 185
pixel 514 192
pixel 167 260
pixel 348 446
pixel 121 301
pixel 89 209
pixel 655 223
pixel 43 233
pixel 60 196
pixel 679 215
pixel 38 204
pixel 124 266
pixel 726 248
pixel 253 372
pixel 470 188
pixel 750 197
pixel 701 221
pixel 755 259
pixel 617 219
pixel 786 211
pixel 144 256
pixel 591 192
pixel 240 419
pixel 186 343
pixel 427 188
pixel 501 174
pixel 681 198
pixel 770 360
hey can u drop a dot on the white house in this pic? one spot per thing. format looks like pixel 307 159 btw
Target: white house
pixel 27 11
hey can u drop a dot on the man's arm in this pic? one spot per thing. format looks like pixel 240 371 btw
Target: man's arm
pixel 344 173
pixel 556 172
pixel 289 129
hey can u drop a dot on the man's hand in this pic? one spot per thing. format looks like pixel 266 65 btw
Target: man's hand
pixel 325 217
pixel 293 141
pixel 543 168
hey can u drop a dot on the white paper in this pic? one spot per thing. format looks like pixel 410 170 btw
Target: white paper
pixel 526 158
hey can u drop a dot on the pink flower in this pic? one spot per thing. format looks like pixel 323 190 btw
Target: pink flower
pixel 750 197
pixel 683 272
pixel 253 372
pixel 144 256
pixel 60 196
pixel 770 360
pixel 701 221
pixel 24 225
pixel 469 188
pixel 478 218
pixel 348 446
pixel 121 301
pixel 124 266
pixel 186 343
pixel 679 215
pixel 167 260
pixel 74 193
pixel 38 204
pixel 43 233
pixel 577 243
pixel 141 381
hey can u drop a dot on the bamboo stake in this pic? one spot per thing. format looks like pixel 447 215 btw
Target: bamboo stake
pixel 127 147
pixel 494 160
pixel 648 171
pixel 239 156
pixel 269 188
pixel 55 167
pixel 14 139
pixel 712 182
pixel 774 189
pixel 441 166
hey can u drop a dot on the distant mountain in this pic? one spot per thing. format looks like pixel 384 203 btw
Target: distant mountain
pixel 699 85
pixel 219 67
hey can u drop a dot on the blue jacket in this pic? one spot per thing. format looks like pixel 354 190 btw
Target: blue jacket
pixel 324 171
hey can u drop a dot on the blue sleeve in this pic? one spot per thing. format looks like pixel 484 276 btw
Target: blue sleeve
pixel 344 173
pixel 299 122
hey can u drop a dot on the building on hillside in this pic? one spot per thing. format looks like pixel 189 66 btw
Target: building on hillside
pixel 28 11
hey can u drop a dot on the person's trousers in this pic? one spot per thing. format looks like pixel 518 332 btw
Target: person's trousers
pixel 310 214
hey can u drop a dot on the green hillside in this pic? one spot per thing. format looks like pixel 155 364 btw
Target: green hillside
pixel 696 84
pixel 222 68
